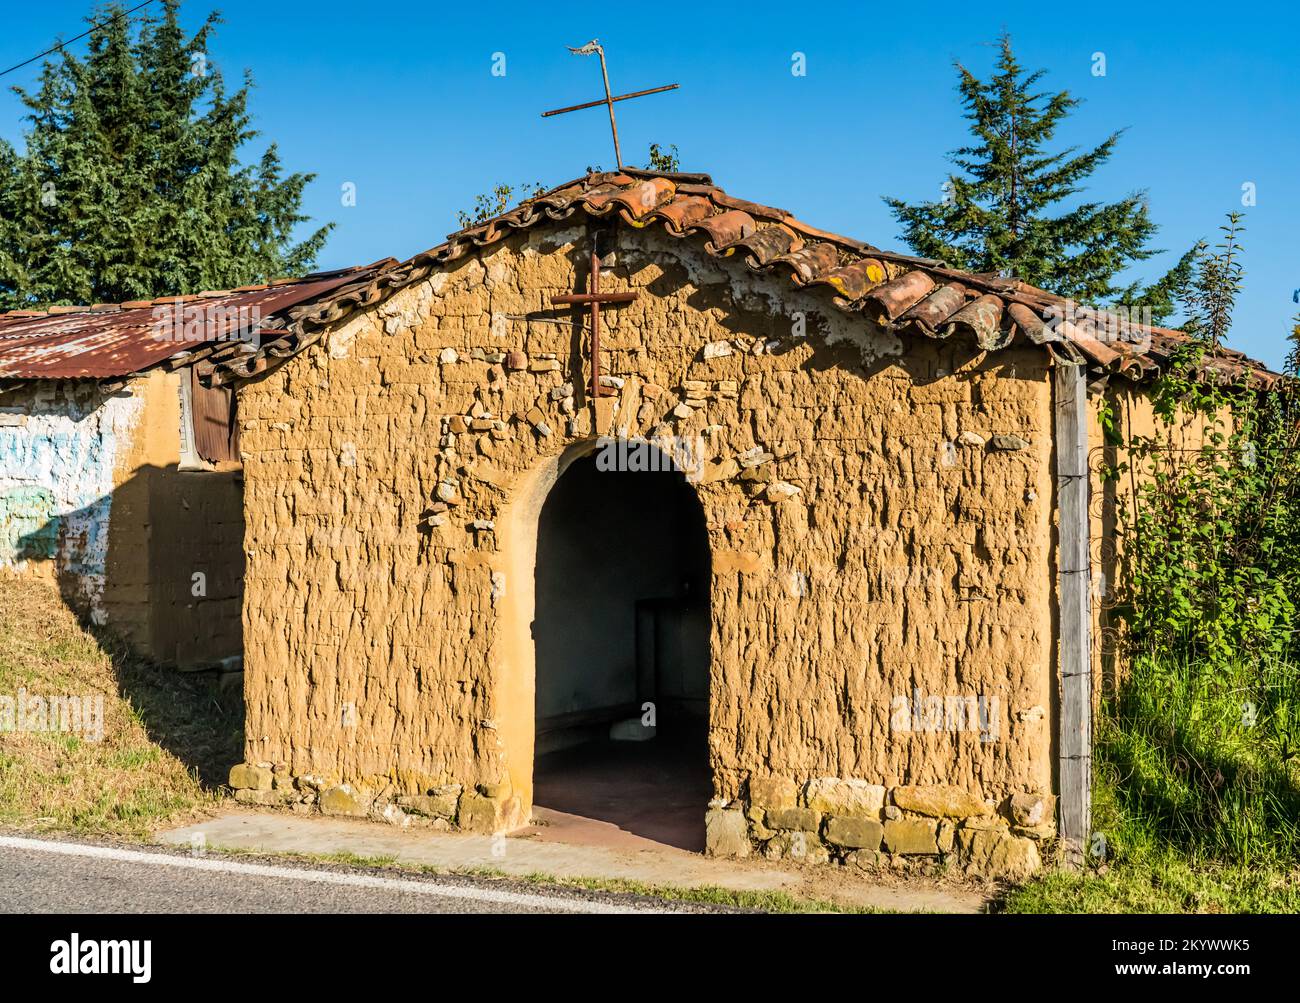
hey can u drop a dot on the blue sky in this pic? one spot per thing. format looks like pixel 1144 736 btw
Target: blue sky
pixel 400 100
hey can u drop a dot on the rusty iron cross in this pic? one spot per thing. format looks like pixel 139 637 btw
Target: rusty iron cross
pixel 594 47
pixel 594 298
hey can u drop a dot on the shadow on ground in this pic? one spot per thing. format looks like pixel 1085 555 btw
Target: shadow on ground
pixel 190 714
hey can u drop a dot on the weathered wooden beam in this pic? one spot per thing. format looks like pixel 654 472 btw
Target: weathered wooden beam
pixel 1074 739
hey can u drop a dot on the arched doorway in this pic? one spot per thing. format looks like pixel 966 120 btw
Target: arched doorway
pixel 621 642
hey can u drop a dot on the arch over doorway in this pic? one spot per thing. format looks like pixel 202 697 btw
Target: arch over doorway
pixel 607 676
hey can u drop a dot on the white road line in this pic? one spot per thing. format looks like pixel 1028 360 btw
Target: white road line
pixel 464 892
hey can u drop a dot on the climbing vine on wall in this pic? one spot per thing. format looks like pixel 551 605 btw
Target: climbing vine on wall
pixel 1213 531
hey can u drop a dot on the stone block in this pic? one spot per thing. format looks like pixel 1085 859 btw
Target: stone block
pixel 781 491
pixel 246 776
pixel 265 798
pixel 998 854
pixel 391 813
pixel 767 791
pixel 441 803
pixel 344 801
pixel 726 833
pixel 854 833
pixel 482 814
pixel 866 860
pixel 1031 810
pixel 939 801
pixel 804 847
pixel 755 457
pixel 833 796
pixel 1008 443
pixel 911 836
pixel 792 818
pixel 985 822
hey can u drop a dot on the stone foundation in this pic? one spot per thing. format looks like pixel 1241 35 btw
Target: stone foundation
pixel 858 824
pixel 487 808
pixel 825 820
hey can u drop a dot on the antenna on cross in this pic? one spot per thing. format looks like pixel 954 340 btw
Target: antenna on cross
pixel 595 48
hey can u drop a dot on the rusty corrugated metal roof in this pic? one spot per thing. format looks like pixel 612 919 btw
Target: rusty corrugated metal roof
pixel 115 340
pixel 899 292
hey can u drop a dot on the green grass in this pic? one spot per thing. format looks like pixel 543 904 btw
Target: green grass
pixel 167 740
pixel 1168 883
pixel 1196 796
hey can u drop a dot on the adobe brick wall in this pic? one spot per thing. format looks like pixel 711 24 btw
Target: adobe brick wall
pixel 90 496
pixel 878 515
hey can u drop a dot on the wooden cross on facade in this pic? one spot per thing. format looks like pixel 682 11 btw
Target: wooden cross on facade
pixel 594 47
pixel 593 298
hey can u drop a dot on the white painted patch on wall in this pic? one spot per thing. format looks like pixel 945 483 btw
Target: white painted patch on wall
pixel 546 240
pixel 57 480
pixel 338 341
pixel 500 272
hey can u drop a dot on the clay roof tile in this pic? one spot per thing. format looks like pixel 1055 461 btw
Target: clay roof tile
pixel 900 292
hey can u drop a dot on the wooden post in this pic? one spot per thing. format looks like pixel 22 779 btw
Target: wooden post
pixel 1075 619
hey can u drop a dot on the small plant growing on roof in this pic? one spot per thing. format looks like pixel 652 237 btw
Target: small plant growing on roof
pixel 664 159
pixel 491 204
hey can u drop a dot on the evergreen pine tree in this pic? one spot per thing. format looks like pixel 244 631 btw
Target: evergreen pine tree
pixel 996 214
pixel 131 183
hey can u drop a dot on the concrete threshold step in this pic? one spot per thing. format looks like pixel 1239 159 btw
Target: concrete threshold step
pixel 566 847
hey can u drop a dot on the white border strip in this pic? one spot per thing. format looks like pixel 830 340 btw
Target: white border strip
pixel 447 891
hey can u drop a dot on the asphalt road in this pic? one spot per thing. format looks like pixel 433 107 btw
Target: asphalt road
pixel 50 876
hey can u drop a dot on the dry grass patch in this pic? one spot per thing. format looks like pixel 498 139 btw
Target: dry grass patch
pixel 166 739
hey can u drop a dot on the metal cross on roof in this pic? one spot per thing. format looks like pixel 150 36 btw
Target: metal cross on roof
pixel 593 298
pixel 594 47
